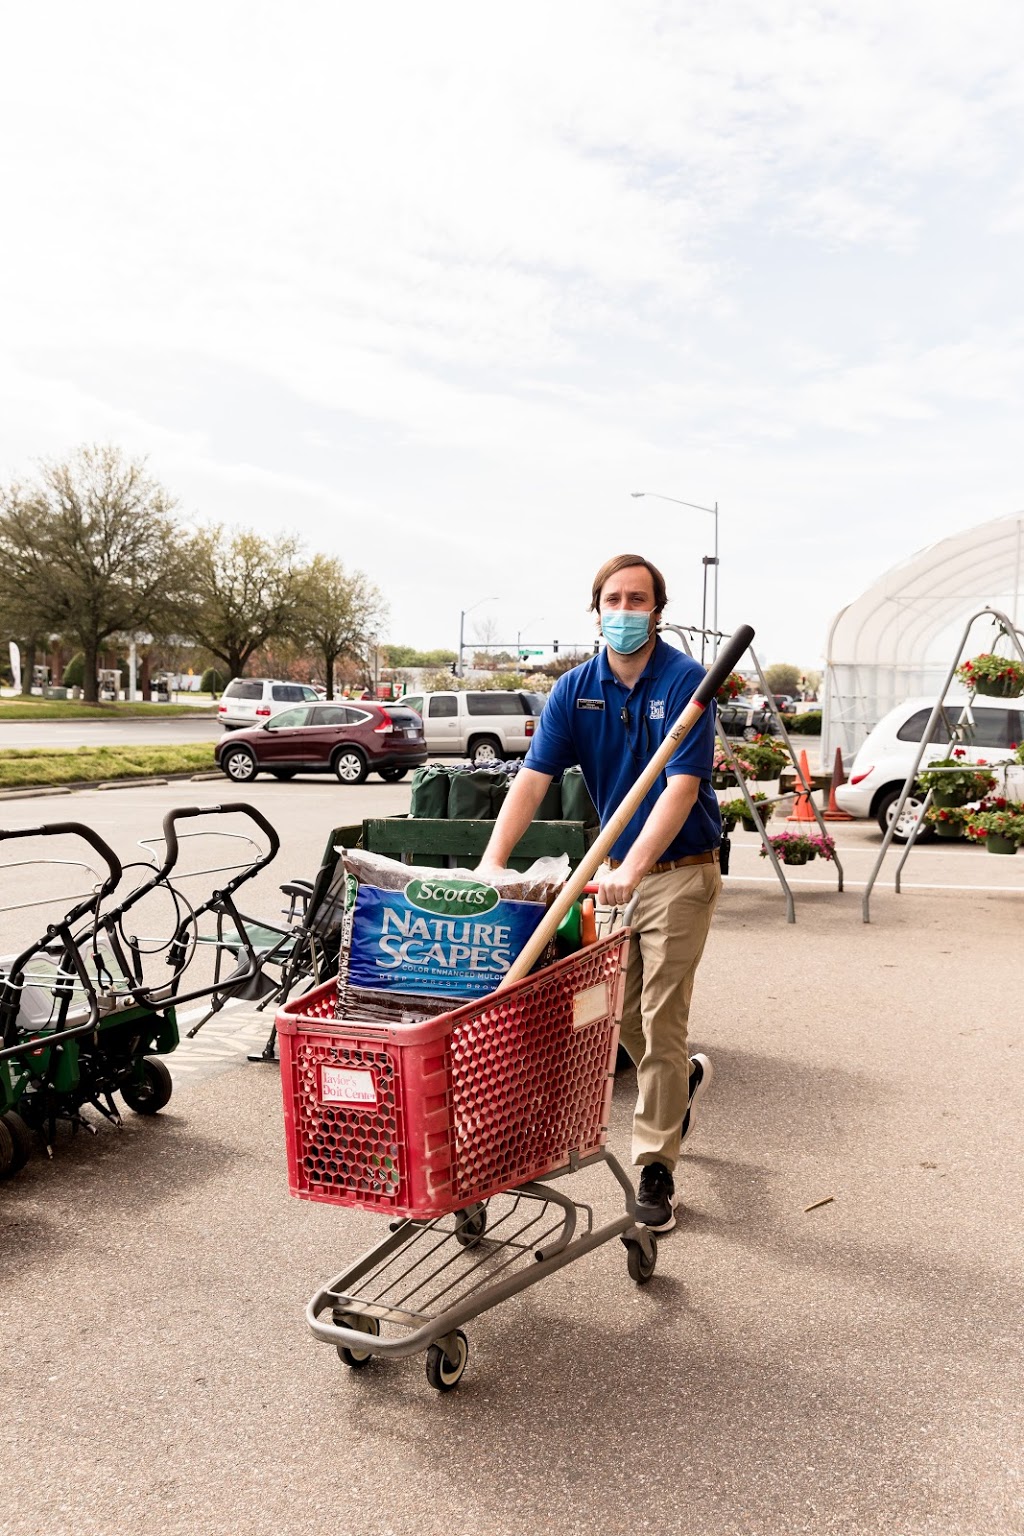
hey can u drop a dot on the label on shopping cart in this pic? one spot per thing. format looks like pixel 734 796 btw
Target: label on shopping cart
pixel 346 1085
pixel 453 938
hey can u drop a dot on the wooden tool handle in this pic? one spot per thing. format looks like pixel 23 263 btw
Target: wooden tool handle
pixel 709 685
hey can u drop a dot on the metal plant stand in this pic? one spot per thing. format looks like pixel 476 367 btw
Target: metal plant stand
pixel 1007 628
pixel 684 638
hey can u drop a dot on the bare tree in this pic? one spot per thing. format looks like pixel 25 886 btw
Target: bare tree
pixel 88 551
pixel 339 614
pixel 245 591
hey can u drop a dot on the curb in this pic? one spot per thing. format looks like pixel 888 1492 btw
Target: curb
pixel 35 791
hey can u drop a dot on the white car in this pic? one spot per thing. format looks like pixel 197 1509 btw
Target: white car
pixel 252 700
pixel 880 768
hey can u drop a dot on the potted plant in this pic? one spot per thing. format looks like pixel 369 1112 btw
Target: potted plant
pixel 955 782
pixel 799 848
pixel 947 821
pixel 1002 831
pixel 723 774
pixel 730 689
pixel 737 810
pixel 1000 677
pixel 765 758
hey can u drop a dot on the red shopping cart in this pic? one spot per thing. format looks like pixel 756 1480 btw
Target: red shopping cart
pixel 455 1126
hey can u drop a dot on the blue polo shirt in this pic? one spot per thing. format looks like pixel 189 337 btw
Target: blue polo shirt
pixel 612 732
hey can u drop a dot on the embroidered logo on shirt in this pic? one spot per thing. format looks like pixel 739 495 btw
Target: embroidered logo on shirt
pixel 590 703
pixel 657 710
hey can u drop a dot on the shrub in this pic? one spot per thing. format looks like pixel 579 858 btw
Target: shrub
pixel 212 682
pixel 807 724
pixel 74 672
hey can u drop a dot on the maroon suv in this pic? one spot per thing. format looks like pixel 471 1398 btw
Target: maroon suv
pixel 349 739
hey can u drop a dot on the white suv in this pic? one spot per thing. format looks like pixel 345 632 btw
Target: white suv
pixel 251 700
pixel 887 756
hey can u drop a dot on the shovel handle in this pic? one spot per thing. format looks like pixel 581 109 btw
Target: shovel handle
pixel 723 664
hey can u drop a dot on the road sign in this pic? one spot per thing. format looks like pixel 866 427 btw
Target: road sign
pixel 525 652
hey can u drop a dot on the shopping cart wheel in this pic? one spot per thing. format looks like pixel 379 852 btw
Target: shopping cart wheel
pixel 154 1090
pixel 356 1358
pixel 443 1373
pixel 21 1138
pixel 470 1225
pixel 640 1267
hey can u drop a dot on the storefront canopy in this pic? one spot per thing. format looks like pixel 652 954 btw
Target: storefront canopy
pixel 898 639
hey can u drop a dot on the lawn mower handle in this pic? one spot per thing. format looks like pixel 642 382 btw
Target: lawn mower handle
pixel 236 808
pixel 75 829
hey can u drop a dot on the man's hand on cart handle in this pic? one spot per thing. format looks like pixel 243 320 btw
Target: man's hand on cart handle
pixel 615 887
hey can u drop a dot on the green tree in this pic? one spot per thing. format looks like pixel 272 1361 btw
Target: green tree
pixel 245 591
pixel 409 656
pixel 89 552
pixel 782 677
pixel 339 614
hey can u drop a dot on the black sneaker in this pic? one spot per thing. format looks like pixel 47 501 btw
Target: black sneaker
pixel 655 1198
pixel 701 1073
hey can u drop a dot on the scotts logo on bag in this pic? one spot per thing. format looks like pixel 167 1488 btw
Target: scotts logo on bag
pixel 452 898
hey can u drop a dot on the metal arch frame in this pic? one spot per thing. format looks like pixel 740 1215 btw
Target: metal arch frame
pixel 683 635
pixel 1014 636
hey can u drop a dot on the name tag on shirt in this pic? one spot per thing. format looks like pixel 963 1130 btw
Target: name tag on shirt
pixel 590 703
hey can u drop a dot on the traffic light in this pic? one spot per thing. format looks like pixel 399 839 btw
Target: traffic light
pixel 524 655
pixel 453 668
pixel 554 646
pixel 597 646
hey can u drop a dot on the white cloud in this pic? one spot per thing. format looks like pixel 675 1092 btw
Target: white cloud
pixel 462 269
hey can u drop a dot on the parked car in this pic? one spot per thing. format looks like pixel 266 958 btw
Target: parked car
pixel 248 700
pixel 351 740
pixel 486 726
pixel 880 768
pixel 747 718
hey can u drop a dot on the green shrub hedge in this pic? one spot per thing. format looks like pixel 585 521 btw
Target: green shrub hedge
pixel 808 724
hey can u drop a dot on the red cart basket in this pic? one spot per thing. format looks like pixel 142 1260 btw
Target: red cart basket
pixel 422 1119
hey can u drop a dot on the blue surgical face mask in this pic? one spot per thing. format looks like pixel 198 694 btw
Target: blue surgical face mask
pixel 625 630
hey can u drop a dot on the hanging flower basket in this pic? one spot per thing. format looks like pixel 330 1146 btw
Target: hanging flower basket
pixel 946 796
pixel 1001 829
pixel 953 781
pixel 948 829
pixel 730 689
pixel 997 677
pixel 798 848
pixel 996 844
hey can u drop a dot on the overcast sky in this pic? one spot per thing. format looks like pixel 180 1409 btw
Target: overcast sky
pixel 439 285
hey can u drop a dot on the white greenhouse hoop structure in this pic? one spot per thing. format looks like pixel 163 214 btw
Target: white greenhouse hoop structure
pixel 895 640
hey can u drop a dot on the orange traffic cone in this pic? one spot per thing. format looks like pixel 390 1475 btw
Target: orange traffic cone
pixel 838 777
pixel 802 809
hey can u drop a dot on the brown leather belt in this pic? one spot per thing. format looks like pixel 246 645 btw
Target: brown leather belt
pixel 710 857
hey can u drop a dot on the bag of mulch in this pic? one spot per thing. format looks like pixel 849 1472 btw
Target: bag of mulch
pixel 441 933
pixel 430 786
pixel 476 794
pixel 576 802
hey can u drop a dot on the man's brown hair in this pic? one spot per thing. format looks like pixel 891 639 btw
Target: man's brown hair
pixel 620 563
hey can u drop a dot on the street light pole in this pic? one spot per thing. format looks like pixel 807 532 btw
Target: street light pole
pixel 462 623
pixel 708 560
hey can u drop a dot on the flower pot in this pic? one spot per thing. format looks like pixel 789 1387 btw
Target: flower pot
pixel 722 780
pixel 996 844
pixel 797 856
pixel 998 687
pixel 950 829
pixel 949 796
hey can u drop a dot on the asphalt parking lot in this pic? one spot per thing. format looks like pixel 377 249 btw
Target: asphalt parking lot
pixel 852 1366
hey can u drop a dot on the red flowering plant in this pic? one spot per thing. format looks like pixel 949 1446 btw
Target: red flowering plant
pixel 999 676
pixel 730 689
pixel 954 781
pixel 1003 823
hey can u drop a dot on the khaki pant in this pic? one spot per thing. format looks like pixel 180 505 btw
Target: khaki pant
pixel 670 925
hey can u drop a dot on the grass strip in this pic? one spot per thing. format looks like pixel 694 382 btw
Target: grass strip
pixel 42 766
pixel 74 709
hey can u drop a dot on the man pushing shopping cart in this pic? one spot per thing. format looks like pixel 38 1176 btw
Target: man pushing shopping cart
pixel 614 716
